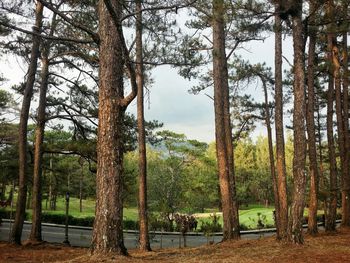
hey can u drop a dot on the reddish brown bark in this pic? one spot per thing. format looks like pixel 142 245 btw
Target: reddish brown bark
pixel 272 158
pixel 281 181
pixel 310 125
pixel 143 215
pixel 107 230
pixel 223 131
pixel 22 134
pixel 295 233
pixel 341 138
pixel 35 234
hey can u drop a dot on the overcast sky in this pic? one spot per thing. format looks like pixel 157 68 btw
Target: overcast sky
pixel 193 115
pixel 170 102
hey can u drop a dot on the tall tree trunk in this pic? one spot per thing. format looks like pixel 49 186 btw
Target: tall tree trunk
pixel 223 131
pixel 16 233
pixel 108 228
pixel 281 178
pixel 332 206
pixel 35 234
pixel 272 158
pixel 341 137
pixel 143 215
pixel 310 124
pixel 322 177
pixel 295 233
pixel 345 110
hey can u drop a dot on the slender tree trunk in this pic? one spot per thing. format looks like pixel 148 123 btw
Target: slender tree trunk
pixel 295 233
pixel 29 198
pixel 223 135
pixel 310 124
pixel 271 157
pixel 143 215
pixel 322 176
pixel 281 178
pixel 16 233
pixel 332 206
pixel 345 119
pixel 81 187
pixel 108 228
pixel 35 234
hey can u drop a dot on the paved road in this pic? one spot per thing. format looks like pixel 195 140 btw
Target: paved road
pixel 82 237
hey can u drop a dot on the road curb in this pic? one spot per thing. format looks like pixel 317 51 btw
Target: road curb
pixel 243 232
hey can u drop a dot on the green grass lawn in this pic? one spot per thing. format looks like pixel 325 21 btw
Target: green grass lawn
pixel 248 216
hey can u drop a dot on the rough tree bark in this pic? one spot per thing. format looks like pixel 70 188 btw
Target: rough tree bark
pixel 22 134
pixel 281 181
pixel 107 231
pixel 143 215
pixel 114 55
pixel 223 131
pixel 295 231
pixel 332 205
pixel 310 125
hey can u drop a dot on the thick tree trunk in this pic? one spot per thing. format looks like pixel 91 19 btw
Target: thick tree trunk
pixel 23 124
pixel 224 146
pixel 143 215
pixel 281 178
pixel 295 233
pixel 272 158
pixel 108 228
pixel 310 124
pixel 332 206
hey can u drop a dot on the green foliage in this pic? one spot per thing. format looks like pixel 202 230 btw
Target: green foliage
pixel 208 227
pixel 6 214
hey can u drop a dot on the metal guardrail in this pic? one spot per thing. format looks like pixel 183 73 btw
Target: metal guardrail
pixel 243 232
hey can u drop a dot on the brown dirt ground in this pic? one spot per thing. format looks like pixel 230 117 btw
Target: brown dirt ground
pixel 322 248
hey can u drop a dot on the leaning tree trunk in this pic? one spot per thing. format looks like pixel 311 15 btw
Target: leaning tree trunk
pixel 35 234
pixel 23 125
pixel 295 233
pixel 143 215
pixel 332 206
pixel 224 146
pixel 108 229
pixel 310 125
pixel 281 178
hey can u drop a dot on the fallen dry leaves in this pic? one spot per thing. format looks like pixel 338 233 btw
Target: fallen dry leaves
pixel 322 248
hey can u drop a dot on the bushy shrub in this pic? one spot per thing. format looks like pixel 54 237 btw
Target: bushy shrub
pixel 6 214
pixel 211 226
pixel 130 224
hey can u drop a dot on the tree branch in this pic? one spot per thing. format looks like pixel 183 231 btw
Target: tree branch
pixel 91 33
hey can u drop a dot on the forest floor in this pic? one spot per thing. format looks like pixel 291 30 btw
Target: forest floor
pixel 322 248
